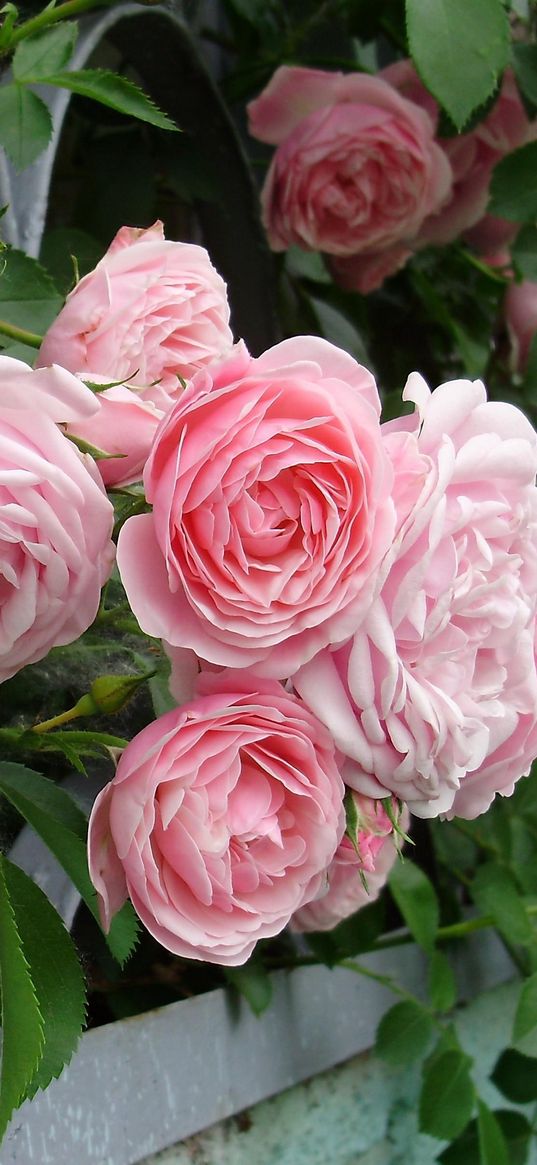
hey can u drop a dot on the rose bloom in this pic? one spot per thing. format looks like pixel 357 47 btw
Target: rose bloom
pixel 153 310
pixel 520 314
pixel 472 156
pixel 434 699
pixel 356 170
pixel 271 501
pixel 356 875
pixel 124 428
pixel 56 519
pixel 220 821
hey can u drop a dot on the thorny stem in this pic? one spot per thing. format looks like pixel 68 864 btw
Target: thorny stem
pixel 50 16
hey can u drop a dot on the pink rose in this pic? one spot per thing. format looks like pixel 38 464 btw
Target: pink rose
pixel 268 528
pixel 472 156
pixel 220 821
pixel 56 519
pixel 437 690
pixel 366 272
pixel 151 312
pixel 356 170
pixel 123 427
pixel 491 239
pixel 520 313
pixel 355 877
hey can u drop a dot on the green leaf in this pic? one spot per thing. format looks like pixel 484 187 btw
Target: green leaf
pixel 254 982
pixel 492 1146
pixel 63 245
pixel 359 932
pixel 495 892
pixel 404 1033
pixel 306 265
pixel 417 901
pixel 459 49
pixel 524 251
pixel 516 1076
pixel 526 1013
pixel 516 1131
pixel 518 1134
pixel 28 297
pixel 447 1096
pixel 62 826
pixel 25 124
pixel 525 66
pixel 44 53
pixel 55 970
pixel 112 90
pixel 513 189
pixel 22 1021
pixel 337 328
pixel 442 987
pixel 159 687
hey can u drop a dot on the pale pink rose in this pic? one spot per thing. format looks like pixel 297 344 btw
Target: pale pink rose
pixel 152 311
pixel 437 690
pixel 472 156
pixel 520 314
pixel 56 520
pixel 356 168
pixel 269 526
pixel 220 821
pixel 124 427
pixel 356 876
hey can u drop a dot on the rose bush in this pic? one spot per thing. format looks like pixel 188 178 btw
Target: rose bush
pixel 356 170
pixel 56 520
pixel 356 874
pixel 435 697
pixel 220 821
pixel 268 530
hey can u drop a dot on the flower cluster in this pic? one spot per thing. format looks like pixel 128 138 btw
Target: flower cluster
pixel 349 607
pixel 362 174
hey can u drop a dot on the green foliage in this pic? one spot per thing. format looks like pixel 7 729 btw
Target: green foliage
pixel 450 40
pixel 516 1076
pixel 254 983
pixel 526 1013
pixel 62 826
pixel 44 53
pixel 112 90
pixel 22 1022
pixel 417 901
pixel 495 892
pixel 492 1145
pixel 441 983
pixel 447 1095
pixel 43 1000
pixel 516 1131
pixel 25 125
pixel 524 252
pixel 28 297
pixel 404 1033
pixel 513 189
pixel 525 66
